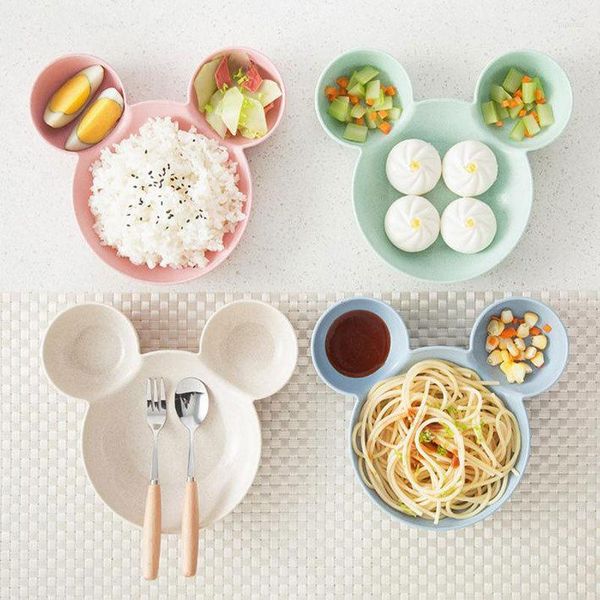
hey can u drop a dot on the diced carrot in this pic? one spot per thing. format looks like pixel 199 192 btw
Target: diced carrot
pixel 522 113
pixel 535 331
pixel 354 99
pixel 541 101
pixel 547 328
pixel 505 103
pixel 370 101
pixel 383 114
pixel 518 94
pixel 372 115
pixel 342 82
pixel 538 95
pixel 331 92
pixel 526 79
pixel 509 332
pixel 527 134
pixel 514 103
pixel 385 127
pixel 455 462
pixel 342 91
pixel 499 123
pixel 390 90
pixel 359 121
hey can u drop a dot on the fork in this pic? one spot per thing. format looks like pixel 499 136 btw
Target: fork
pixel 156 415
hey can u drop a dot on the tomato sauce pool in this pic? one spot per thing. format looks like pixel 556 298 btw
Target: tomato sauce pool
pixel 357 343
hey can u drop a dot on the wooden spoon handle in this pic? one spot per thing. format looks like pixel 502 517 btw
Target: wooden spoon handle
pixel 151 533
pixel 190 522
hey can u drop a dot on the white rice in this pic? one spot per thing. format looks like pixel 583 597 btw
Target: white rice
pixel 165 196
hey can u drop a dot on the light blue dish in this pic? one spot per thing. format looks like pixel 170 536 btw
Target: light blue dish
pixel 401 357
pixel 443 123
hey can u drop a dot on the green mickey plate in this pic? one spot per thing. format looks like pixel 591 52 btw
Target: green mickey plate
pixel 443 123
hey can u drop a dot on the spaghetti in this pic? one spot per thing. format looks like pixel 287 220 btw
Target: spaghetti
pixel 435 442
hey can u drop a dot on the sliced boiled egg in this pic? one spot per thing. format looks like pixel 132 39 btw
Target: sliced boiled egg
pixel 72 96
pixel 97 121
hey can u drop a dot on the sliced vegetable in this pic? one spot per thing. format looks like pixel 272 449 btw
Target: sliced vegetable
pixel 340 109
pixel 355 133
pixel 222 74
pixel 528 91
pixel 372 92
pixel 531 125
pixel 545 114
pixel 518 131
pixel 204 83
pixel 366 74
pixel 513 80
pixel 231 108
pixel 499 94
pixel 358 111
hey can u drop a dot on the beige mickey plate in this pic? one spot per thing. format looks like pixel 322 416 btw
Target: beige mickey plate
pixel 248 351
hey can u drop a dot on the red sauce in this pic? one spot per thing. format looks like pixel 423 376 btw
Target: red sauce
pixel 357 343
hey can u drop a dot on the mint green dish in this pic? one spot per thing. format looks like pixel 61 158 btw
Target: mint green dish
pixel 443 123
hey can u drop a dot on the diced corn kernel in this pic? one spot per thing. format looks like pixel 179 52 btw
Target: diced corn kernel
pixel 520 356
pixel 506 316
pixel 530 352
pixel 502 343
pixel 523 330
pixel 518 372
pixel 495 327
pixel 539 341
pixel 530 319
pixel 491 343
pixel 538 359
pixel 519 343
pixel 514 351
pixel 527 368
pixel 506 368
pixel 494 358
pixel 505 356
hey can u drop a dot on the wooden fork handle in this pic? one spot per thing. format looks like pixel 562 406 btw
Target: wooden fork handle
pixel 190 522
pixel 151 533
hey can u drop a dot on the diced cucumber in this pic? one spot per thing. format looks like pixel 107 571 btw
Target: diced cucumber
pixel 528 91
pixel 358 111
pixel 373 89
pixel 538 86
pixel 371 122
pixel 395 113
pixel 545 114
pixel 356 133
pixel 501 112
pixel 488 109
pixel 518 131
pixel 498 93
pixel 531 125
pixel 385 104
pixel 512 81
pixel 366 74
pixel 357 90
pixel 340 108
pixel 514 111
pixel 352 81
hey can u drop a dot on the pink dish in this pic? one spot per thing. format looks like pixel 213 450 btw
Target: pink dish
pixel 134 115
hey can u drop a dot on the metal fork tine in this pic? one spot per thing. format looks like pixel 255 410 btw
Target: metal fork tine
pixel 155 394
pixel 163 395
pixel 149 405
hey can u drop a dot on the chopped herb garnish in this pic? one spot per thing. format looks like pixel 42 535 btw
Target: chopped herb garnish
pixel 425 436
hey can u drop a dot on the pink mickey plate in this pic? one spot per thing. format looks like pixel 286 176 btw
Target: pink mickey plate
pixel 134 115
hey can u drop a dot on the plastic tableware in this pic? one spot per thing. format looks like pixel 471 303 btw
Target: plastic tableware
pixel 134 116
pixel 401 357
pixel 91 352
pixel 443 123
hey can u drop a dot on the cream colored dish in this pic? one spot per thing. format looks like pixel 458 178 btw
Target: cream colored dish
pixel 248 351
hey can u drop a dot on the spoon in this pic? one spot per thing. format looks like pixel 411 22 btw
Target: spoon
pixel 191 404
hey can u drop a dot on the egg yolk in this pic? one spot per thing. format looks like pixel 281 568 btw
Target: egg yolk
pixel 71 96
pixel 471 167
pixel 99 120
pixel 414 165
pixel 470 223
pixel 415 223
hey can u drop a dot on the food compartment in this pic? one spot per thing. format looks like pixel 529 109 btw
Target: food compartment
pixel 52 78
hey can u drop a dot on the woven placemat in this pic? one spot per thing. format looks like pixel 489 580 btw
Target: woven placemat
pixel 306 529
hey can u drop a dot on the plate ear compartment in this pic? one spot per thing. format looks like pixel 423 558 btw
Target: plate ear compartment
pixel 89 350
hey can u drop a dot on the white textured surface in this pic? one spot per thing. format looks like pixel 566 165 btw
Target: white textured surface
pixel 306 528
pixel 302 233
